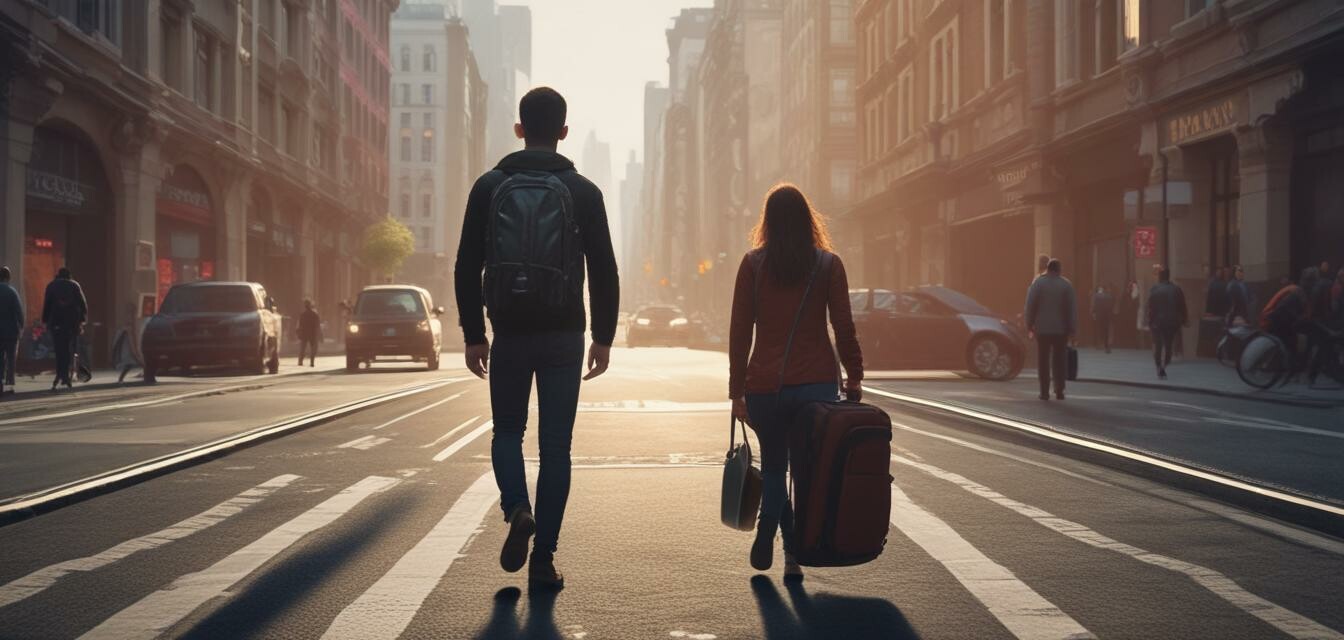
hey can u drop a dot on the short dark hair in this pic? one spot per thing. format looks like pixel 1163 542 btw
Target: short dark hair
pixel 542 113
pixel 1042 261
pixel 1054 266
pixel 63 273
pixel 4 274
pixel 1164 275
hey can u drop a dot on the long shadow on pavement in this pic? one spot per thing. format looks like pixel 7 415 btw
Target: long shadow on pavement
pixel 826 615
pixel 540 623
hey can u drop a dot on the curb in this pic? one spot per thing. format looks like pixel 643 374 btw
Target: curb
pixel 33 504
pixel 1252 396
pixel 1275 502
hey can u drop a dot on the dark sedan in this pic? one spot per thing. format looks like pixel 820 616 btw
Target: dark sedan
pixel 394 321
pixel 213 324
pixel 659 325
pixel 935 328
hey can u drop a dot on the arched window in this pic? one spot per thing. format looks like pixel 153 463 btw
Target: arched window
pixel 429 58
pixel 405 58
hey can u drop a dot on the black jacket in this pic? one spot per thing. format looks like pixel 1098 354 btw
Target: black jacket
pixel 1166 306
pixel 591 215
pixel 310 325
pixel 64 307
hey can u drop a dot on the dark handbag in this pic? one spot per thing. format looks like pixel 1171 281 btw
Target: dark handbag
pixel 1072 364
pixel 741 484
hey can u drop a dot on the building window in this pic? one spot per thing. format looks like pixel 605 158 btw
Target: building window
pixel 1066 42
pixel 905 104
pixel 1225 230
pixel 427 146
pixel 266 12
pixel 426 205
pixel 170 61
pixel 842 180
pixel 842 97
pixel 429 58
pixel 289 130
pixel 1195 6
pixel 997 56
pixel 842 22
pixel 405 210
pixel 289 32
pixel 872 49
pixel 429 120
pixel 1129 24
pixel 405 146
pixel 204 77
pixel 944 73
pixel 900 23
pixel 101 17
pixel 266 115
pixel 428 93
pixel 405 120
pixel 405 58
pixel 405 93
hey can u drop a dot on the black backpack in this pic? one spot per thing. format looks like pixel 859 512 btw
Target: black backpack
pixel 534 254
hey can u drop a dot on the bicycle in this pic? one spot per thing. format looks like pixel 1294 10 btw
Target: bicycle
pixel 1264 362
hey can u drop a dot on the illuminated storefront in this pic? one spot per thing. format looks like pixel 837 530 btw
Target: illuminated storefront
pixel 184 230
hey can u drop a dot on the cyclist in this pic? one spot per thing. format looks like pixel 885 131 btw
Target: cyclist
pixel 1288 311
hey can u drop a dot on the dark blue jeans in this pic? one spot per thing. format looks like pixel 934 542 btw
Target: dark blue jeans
pixel 556 360
pixel 771 417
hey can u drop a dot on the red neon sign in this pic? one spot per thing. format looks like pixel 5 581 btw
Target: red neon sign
pixel 44 243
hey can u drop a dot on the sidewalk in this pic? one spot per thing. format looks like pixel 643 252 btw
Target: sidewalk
pixel 1202 375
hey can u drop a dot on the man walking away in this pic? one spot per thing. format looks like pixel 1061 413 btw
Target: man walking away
pixel 1052 317
pixel 11 325
pixel 64 311
pixel 309 332
pixel 1103 309
pixel 1166 316
pixel 1242 300
pixel 533 292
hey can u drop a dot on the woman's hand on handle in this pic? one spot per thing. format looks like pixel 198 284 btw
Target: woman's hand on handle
pixel 854 390
pixel 740 410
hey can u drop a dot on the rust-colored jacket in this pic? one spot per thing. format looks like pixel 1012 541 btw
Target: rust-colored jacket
pixel 811 360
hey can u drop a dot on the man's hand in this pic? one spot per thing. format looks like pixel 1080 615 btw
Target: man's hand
pixel 478 359
pixel 599 356
pixel 740 411
pixel 854 390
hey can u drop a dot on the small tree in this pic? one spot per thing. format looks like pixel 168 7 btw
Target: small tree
pixel 387 244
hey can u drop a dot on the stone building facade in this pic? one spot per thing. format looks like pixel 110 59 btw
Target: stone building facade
pixel 153 143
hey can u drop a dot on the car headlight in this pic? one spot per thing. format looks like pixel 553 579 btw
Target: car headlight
pixel 353 328
pixel 643 322
pixel 679 322
pixel 423 325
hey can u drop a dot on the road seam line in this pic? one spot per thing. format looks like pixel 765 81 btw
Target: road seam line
pixel 157 612
pixel 450 433
pixel 463 441
pixel 418 411
pixel 1285 620
pixel 44 578
pixel 363 444
pixel 1023 611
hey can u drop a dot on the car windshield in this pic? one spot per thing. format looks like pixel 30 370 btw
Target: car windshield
pixel 213 299
pixel 389 303
pixel 884 299
pixel 960 302
pixel 661 314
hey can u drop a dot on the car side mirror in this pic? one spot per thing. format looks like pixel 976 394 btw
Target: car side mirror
pixel 270 303
pixel 438 311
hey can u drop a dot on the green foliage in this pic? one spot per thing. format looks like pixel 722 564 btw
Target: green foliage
pixel 387 245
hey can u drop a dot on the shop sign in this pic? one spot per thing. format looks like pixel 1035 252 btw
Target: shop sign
pixel 58 191
pixel 182 196
pixel 1203 122
pixel 1015 176
pixel 1145 242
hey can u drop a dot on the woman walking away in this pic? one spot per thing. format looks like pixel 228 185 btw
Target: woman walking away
pixel 785 287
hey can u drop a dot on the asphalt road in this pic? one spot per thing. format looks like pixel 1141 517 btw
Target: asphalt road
pixel 348 530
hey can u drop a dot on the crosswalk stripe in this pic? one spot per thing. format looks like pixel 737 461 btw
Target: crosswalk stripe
pixel 1289 622
pixel 387 607
pixel 1023 611
pixel 42 579
pixel 363 444
pixel 158 611
pixel 463 441
pixel 450 433
pixel 418 411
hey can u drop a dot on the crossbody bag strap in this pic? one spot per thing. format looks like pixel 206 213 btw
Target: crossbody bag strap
pixel 798 317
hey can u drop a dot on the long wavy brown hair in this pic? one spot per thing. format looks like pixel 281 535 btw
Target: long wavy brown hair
pixel 790 232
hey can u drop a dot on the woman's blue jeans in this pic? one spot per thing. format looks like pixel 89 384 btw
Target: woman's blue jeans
pixel 772 415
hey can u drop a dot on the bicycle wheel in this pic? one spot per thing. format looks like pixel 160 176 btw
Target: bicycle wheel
pixel 1263 362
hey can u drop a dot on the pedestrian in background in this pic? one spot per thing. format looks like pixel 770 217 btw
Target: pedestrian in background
pixel 1052 319
pixel 1216 302
pixel 790 274
pixel 1166 315
pixel 309 333
pixel 64 311
pixel 1103 309
pixel 11 325
pixel 1319 344
pixel 1336 300
pixel 1240 297
pixel 1131 315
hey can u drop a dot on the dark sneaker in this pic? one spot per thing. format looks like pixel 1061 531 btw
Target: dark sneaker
pixel 1059 395
pixel 763 552
pixel 541 574
pixel 1045 396
pixel 521 527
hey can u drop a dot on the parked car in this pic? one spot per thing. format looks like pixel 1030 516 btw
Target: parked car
pixel 936 328
pixel 658 324
pixel 393 321
pixel 213 324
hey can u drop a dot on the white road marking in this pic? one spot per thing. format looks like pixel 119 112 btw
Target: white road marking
pixel 1289 622
pixel 1269 425
pixel 158 611
pixel 418 411
pixel 450 433
pixel 363 444
pixel 387 607
pixel 975 447
pixel 40 580
pixel 653 406
pixel 1023 611
pixel 463 441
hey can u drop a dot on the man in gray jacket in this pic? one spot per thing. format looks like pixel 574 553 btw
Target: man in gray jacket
pixel 11 325
pixel 1052 318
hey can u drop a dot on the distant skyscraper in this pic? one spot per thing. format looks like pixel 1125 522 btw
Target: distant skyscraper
pixel 632 216
pixel 595 164
pixel 501 37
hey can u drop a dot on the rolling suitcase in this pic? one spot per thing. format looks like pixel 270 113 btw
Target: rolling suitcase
pixel 840 453
pixel 1073 363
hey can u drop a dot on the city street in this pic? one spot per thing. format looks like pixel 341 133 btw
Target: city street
pixel 383 522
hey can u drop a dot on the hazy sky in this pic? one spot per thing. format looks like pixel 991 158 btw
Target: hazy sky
pixel 599 54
